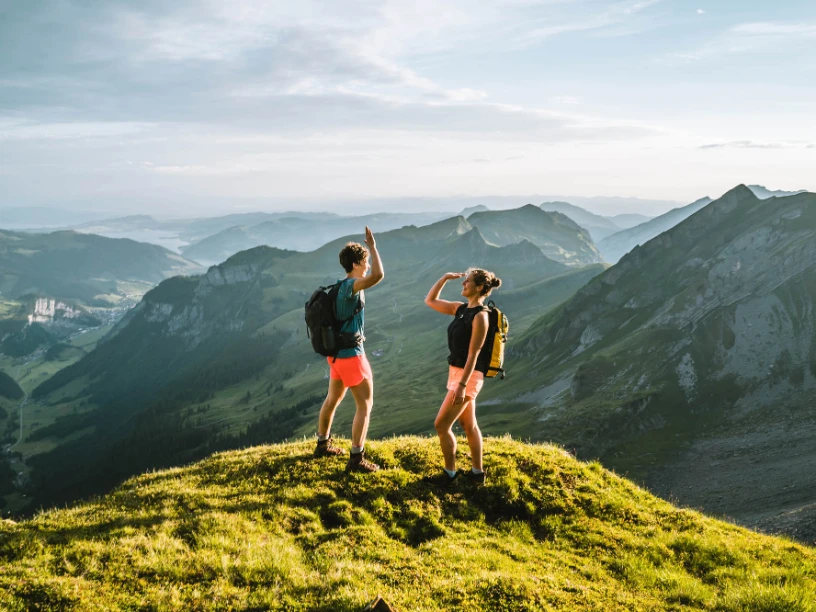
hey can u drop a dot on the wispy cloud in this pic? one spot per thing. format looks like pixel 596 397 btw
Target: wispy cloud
pixel 749 38
pixel 750 144
pixel 29 130
pixel 608 17
pixel 209 89
pixel 259 67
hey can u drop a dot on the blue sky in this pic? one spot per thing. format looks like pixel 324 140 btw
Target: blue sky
pixel 116 103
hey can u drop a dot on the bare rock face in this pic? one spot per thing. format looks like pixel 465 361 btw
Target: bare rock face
pixel 47 310
pixel 218 276
pixel 189 318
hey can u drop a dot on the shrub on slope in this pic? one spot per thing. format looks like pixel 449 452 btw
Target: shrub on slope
pixel 9 388
pixel 270 528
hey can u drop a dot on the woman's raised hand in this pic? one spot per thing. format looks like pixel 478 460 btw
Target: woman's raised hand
pixel 451 275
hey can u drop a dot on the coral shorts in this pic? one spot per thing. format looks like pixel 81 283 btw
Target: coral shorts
pixel 474 384
pixel 349 370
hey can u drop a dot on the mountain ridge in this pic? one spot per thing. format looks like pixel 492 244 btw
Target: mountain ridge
pixel 558 236
pixel 661 363
pixel 617 245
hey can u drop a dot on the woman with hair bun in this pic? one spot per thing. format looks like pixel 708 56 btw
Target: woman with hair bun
pixel 468 364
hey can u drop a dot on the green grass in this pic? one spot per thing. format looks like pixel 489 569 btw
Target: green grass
pixel 9 308
pixel 90 339
pixel 270 528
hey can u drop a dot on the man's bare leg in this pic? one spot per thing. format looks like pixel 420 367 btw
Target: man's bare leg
pixel 324 422
pixel 364 398
pixel 337 391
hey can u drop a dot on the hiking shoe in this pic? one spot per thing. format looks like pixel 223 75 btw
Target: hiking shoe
pixel 326 448
pixel 441 479
pixel 475 479
pixel 358 463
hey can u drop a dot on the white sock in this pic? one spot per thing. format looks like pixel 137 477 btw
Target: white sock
pixel 356 450
pixel 323 438
pixel 450 473
pixel 475 471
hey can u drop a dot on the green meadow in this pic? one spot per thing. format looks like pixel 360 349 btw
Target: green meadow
pixel 271 528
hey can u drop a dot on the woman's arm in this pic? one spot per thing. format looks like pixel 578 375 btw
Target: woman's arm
pixel 443 306
pixel 477 339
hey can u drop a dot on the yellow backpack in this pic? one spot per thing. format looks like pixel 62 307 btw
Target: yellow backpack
pixel 498 326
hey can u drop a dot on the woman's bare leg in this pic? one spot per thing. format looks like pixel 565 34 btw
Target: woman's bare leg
pixel 474 435
pixel 448 413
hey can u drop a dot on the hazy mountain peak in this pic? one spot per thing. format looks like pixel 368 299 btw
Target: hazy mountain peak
pixel 740 191
pixel 763 193
pixel 559 217
pixel 617 245
pixel 474 234
pixel 452 226
pixel 555 234
pixel 466 212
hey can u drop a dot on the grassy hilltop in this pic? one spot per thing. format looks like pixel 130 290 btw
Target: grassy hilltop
pixel 269 528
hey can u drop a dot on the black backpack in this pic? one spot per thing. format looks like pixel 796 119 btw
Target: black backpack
pixel 323 326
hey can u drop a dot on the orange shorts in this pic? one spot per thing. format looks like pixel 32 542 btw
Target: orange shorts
pixel 350 370
pixel 474 384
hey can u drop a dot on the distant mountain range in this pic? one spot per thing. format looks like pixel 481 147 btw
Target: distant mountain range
pixel 558 236
pixel 19 217
pixel 598 227
pixel 763 193
pixel 304 234
pixel 70 265
pixel 616 245
pixel 213 239
pixel 626 221
pixel 296 232
pixel 48 282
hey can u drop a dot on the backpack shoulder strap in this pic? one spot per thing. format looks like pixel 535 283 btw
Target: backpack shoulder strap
pixel 334 290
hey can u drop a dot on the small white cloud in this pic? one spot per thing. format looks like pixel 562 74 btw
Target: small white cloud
pixel 700 12
pixel 33 130
pixel 750 144
pixel 465 95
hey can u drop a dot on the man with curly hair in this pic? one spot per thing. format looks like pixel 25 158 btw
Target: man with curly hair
pixel 350 368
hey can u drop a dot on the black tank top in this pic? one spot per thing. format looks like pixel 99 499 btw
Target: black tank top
pixel 459 333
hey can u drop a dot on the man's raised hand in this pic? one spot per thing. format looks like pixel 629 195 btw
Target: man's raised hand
pixel 369 239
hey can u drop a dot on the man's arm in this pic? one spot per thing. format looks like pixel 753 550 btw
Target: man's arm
pixel 376 274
